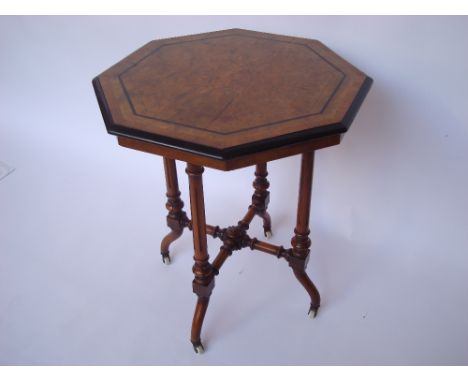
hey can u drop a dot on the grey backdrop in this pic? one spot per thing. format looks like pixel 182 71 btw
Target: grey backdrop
pixel 81 280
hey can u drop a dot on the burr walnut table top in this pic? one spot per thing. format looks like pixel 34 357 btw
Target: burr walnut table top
pixel 228 95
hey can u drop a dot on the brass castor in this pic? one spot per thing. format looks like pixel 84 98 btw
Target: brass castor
pixel 166 259
pixel 313 311
pixel 199 349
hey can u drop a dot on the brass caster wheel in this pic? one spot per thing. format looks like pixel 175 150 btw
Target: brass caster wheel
pixel 166 259
pixel 268 234
pixel 313 311
pixel 199 349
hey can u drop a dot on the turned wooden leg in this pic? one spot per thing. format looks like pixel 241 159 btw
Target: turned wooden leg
pixel 261 197
pixel 300 241
pixel 203 282
pixel 176 217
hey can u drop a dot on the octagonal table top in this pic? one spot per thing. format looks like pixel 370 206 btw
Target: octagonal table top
pixel 230 93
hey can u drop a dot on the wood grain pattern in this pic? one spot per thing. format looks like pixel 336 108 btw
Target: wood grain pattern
pixel 230 93
pixel 225 85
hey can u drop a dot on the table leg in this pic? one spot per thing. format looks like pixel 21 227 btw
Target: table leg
pixel 203 282
pixel 176 216
pixel 301 242
pixel 261 197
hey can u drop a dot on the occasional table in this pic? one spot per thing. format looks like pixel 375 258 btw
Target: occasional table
pixel 227 100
